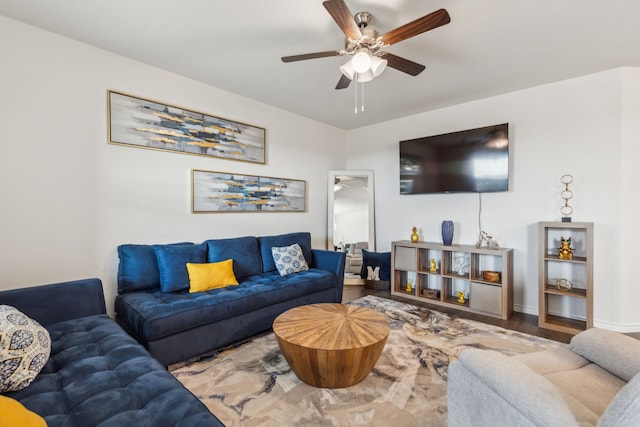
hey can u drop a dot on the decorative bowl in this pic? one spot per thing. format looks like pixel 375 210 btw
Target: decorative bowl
pixel 491 276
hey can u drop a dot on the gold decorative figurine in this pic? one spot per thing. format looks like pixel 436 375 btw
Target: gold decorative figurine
pixel 565 251
pixel 434 267
pixel 414 235
pixel 460 297
pixel 409 286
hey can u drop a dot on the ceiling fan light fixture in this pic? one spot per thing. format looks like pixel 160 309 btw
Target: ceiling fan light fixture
pixel 378 65
pixel 361 61
pixel 347 70
pixel 367 76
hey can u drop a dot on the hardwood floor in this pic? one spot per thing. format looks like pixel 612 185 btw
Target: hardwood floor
pixel 521 322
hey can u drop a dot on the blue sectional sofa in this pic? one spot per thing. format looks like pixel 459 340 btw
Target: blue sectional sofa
pixel 96 374
pixel 155 306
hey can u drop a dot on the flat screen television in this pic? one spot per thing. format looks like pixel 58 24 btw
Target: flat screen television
pixel 469 161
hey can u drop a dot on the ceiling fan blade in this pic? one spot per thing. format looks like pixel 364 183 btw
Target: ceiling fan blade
pixel 344 18
pixel 428 22
pixel 306 56
pixel 344 82
pixel 402 64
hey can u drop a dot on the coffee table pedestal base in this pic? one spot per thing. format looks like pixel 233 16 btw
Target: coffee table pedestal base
pixel 331 345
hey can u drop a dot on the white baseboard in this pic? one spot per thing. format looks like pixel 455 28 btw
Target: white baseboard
pixel 618 327
pixel 525 310
pixel 625 328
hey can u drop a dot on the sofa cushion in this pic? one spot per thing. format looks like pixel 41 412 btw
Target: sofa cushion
pixel 138 267
pixel 267 242
pixel 289 259
pixel 552 360
pixel 613 351
pixel 585 386
pixel 486 388
pixel 98 375
pixel 172 263
pixel 24 349
pixel 203 277
pixel 588 391
pixel 242 250
pixel 154 314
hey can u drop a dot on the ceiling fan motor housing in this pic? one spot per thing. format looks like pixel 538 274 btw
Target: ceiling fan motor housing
pixel 363 19
pixel 369 38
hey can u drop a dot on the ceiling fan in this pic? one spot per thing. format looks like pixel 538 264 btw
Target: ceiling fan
pixel 364 44
pixel 340 182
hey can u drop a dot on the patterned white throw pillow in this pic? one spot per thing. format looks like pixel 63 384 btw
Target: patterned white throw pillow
pixel 289 259
pixel 24 349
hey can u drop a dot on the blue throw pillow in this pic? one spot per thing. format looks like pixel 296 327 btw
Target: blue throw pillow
pixel 376 259
pixel 138 267
pixel 172 263
pixel 266 243
pixel 242 250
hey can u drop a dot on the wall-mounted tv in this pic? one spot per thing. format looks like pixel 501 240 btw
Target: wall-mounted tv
pixel 469 161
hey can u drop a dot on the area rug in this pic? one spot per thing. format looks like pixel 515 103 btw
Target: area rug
pixel 252 385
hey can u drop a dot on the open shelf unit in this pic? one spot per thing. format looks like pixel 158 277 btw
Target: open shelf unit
pixel 570 310
pixel 438 273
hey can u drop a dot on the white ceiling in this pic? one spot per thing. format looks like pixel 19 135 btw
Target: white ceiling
pixel 490 47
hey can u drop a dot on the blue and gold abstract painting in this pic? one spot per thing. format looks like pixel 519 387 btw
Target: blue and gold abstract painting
pixel 142 123
pixel 231 192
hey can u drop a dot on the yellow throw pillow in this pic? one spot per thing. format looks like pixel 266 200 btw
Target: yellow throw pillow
pixel 14 414
pixel 203 277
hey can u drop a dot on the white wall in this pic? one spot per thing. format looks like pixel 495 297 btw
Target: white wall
pixel 69 198
pixel 626 297
pixel 586 127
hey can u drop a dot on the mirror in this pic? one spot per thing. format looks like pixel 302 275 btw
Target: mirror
pixel 350 213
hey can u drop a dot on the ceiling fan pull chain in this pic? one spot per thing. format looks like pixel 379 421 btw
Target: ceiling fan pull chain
pixel 361 96
pixel 355 101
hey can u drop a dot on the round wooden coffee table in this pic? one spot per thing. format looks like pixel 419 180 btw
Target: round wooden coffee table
pixel 331 345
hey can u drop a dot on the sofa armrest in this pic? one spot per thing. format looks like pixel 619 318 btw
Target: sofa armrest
pixel 624 409
pixel 612 351
pixel 329 260
pixel 487 388
pixel 53 303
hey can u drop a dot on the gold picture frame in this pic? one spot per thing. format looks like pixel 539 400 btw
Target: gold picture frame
pixel 143 123
pixel 213 192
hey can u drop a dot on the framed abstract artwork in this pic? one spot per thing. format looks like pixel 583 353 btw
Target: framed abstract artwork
pixel 233 192
pixel 139 122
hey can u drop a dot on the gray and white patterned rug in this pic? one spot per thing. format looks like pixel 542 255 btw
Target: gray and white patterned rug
pixel 252 385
